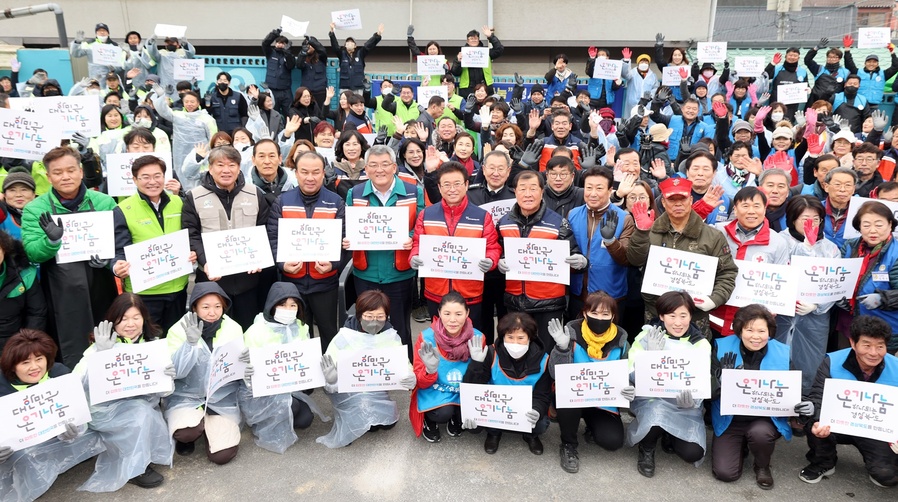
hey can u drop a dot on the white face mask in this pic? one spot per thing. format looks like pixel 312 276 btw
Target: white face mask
pixel 708 73
pixel 102 38
pixel 284 316
pixel 143 123
pixel 516 350
pixel 386 90
pixel 643 66
pixel 240 146
pixel 776 116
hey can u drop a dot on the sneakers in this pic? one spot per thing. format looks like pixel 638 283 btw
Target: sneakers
pixel 813 473
pixel 149 479
pixel 454 428
pixel 431 431
pixel 877 483
pixel 421 314
pixel 570 462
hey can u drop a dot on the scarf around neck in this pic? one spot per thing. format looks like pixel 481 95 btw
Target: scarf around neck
pixel 455 347
pixel 596 342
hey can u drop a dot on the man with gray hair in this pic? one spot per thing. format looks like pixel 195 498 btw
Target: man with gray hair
pixel 775 185
pixel 839 184
pixel 224 201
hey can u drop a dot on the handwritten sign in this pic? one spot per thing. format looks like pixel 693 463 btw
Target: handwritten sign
pixel 670 76
pixel 106 54
pixel 665 373
pixel 186 69
pixel 499 208
pixel 119 177
pixel 170 30
pixel 85 235
pixel 226 366
pixel 712 52
pixel 790 94
pixel 860 409
pixel 451 257
pixel 537 260
pixel 27 135
pixel 40 413
pixel 431 65
pixel 824 280
pixel 230 252
pixel 475 57
pixel 582 385
pixel 309 240
pixel 673 270
pixel 760 393
pixel 71 114
pixel 425 92
pixel 497 406
pixel 749 66
pixel 347 19
pixel 376 228
pixel 773 286
pixel 293 27
pixel 128 370
pixel 372 369
pixel 158 260
pixel 290 367
pixel 854 204
pixel 607 69
pixel 873 38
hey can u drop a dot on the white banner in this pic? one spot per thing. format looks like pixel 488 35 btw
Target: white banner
pixel 69 114
pixel 670 75
pixel 119 178
pixel 873 38
pixel 672 270
pixel 582 385
pixel 824 280
pixel 293 27
pixel 854 204
pixel 39 413
pixel 451 257
pixel 791 94
pixel 860 409
pixel 773 286
pixel 372 369
pixel 291 367
pixel 749 66
pixel 711 52
pixel 607 69
pixel 475 57
pixel 425 92
pixel 371 228
pixel 230 252
pixel 86 234
pixel 186 69
pixel 665 373
pixel 128 370
pixel 499 208
pixel 28 135
pixel 158 260
pixel 497 406
pixel 539 260
pixel 106 54
pixel 762 393
pixel 170 30
pixel 347 19
pixel 431 65
pixel 226 366
pixel 309 240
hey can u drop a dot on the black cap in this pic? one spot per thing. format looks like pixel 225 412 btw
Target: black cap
pixel 101 26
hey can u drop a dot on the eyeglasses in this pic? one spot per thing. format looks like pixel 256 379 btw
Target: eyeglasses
pixel 379 167
pixel 145 178
pixel 366 317
pixel 865 160
pixel 637 198
pixel 562 175
pixel 842 186
pixel 452 186
pixel 815 219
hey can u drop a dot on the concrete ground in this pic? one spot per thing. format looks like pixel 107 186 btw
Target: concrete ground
pixel 394 465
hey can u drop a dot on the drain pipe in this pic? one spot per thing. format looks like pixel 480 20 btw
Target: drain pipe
pixel 38 9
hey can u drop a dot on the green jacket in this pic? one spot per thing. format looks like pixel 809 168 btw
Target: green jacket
pixel 37 246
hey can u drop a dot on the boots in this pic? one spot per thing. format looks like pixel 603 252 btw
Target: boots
pixel 645 464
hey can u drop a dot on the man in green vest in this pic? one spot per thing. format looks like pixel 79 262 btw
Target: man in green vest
pixel 148 214
pixel 454 108
pixel 469 77
pixel 407 108
pixel 382 117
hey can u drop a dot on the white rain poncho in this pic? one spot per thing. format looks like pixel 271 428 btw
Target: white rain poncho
pixel 189 128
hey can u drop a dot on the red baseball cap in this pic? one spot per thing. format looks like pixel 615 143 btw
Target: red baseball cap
pixel 675 186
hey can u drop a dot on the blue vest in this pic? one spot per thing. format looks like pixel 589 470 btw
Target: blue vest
pixel 840 75
pixel 859 101
pixel 604 273
pixel 837 238
pixel 872 86
pixel 678 125
pixel 777 358
pixel 498 377
pixel 868 285
pixel 837 370
pixel 801 73
pixel 9 225
pixel 581 356
pixel 449 374
pixel 721 213
pixel 594 86
pixel 741 111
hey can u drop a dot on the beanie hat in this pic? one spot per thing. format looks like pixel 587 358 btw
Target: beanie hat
pixel 537 88
pixel 21 175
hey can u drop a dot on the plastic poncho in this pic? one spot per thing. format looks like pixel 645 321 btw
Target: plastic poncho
pixel 109 141
pixel 84 49
pixel 134 434
pixel 356 412
pixel 189 128
pixel 166 61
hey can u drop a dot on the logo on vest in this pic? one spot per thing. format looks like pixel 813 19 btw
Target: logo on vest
pixel 207 204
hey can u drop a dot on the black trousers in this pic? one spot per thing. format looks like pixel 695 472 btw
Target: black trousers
pixel 690 452
pixel 244 307
pixel 475 311
pixel 607 428
pixel 878 457
pixel 443 414
pixel 321 309
pixel 165 310
pixel 493 299
pixel 400 294
pixel 726 450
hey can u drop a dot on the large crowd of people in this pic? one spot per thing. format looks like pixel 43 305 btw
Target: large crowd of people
pixel 714 166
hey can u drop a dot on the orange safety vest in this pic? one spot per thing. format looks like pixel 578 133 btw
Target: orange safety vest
pixel 533 289
pixel 470 224
pixel 319 212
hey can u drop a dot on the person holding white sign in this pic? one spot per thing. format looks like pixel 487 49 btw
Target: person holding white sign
pixel 517 358
pixel 678 422
pixel 352 58
pixel 84 48
pixel 469 77
pixel 752 349
pixel 279 68
pixel 78 293
pixel 596 337
pixel 784 72
pixel 190 413
pixel 165 55
pixel 601 91
pixel 677 58
pixel 431 49
pixel 27 360
pixel 865 361
pixel 640 80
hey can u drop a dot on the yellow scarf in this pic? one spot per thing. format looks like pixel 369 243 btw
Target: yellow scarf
pixel 594 342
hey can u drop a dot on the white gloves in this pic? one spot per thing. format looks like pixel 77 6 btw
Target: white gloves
pixel 485 265
pixel 704 302
pixel 871 301
pixel 654 339
pixel 244 356
pixel 502 266
pixel 628 393
pixel 329 369
pixel 193 328
pixel 468 423
pixel 409 381
pixel 248 376
pixel 169 371
pixel 802 308
pixel 429 358
pixel 6 452
pixel 685 400
pixel 805 408
pixel 559 334
pixel 532 416
pixel 476 348
pixel 104 337
pixel 72 431
pixel 576 261
pixel 416 262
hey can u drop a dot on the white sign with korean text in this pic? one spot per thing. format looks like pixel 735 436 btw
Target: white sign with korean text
pixel 860 409
pixel 293 27
pixel 790 94
pixel 230 252
pixel 371 228
pixel 291 367
pixel 372 369
pixel 158 260
pixel 582 385
pixel 854 204
pixel 712 52
pixel 85 235
pixel 475 57
pixel 539 260
pixel 39 413
pixel 106 54
pixel 309 240
pixel 70 114
pixel 760 393
pixel 28 135
pixel 120 179
pixel 773 286
pixel 226 366
pixel 425 92
pixel 128 370
pixel 672 270
pixel 665 373
pixel 670 75
pixel 498 209
pixel 451 257
pixel 873 38
pixel 186 69
pixel 749 66
pixel 607 69
pixel 431 65
pixel 170 30
pixel 497 406
pixel 824 280
pixel 347 19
